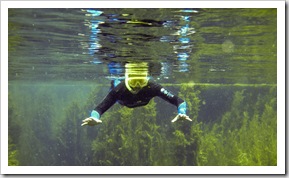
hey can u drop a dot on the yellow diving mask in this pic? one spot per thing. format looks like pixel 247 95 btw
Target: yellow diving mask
pixel 137 82
pixel 136 77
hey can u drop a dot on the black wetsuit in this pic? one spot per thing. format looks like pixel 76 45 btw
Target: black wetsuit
pixel 123 96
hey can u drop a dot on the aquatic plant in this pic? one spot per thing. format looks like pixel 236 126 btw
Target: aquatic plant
pixel 14 131
pixel 26 127
pixel 147 133
pixel 105 147
pixel 69 138
pixel 73 142
pixel 186 140
pixel 12 153
pixel 130 136
pixel 39 115
pixel 244 136
pixel 243 133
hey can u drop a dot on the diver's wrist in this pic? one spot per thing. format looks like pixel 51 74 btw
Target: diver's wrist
pixel 182 108
pixel 94 114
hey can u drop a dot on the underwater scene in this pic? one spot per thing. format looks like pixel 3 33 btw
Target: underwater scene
pixel 222 63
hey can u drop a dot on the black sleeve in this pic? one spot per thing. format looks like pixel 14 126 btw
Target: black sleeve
pixel 107 102
pixel 165 94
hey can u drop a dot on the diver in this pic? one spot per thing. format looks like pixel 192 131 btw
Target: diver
pixel 136 90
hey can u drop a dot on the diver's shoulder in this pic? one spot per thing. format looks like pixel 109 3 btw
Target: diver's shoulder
pixel 120 87
pixel 151 81
pixel 153 84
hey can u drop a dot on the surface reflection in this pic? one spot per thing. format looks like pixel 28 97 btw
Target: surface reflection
pixel 179 45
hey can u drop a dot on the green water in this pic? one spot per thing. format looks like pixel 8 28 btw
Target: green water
pixel 224 66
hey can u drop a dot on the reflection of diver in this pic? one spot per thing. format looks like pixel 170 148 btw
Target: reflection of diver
pixel 136 90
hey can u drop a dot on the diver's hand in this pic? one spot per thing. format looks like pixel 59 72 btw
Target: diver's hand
pixel 181 117
pixel 91 121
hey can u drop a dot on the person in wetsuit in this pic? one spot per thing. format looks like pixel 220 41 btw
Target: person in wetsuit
pixel 135 91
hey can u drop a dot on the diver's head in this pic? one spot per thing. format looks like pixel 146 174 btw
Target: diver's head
pixel 136 77
pixel 135 83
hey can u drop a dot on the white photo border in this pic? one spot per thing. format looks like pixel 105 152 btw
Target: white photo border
pixel 279 169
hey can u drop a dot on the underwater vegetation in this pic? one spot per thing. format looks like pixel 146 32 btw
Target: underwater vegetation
pixel 246 135
pixel 13 137
pixel 44 128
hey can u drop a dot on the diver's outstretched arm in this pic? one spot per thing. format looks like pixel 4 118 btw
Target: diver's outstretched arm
pixel 106 103
pixel 173 99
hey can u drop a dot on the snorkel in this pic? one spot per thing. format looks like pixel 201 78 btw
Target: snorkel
pixel 136 76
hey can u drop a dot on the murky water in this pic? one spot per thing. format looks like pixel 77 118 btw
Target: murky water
pixel 223 62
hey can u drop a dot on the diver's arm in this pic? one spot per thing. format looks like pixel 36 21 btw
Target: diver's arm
pixel 165 94
pixel 173 99
pixel 106 103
